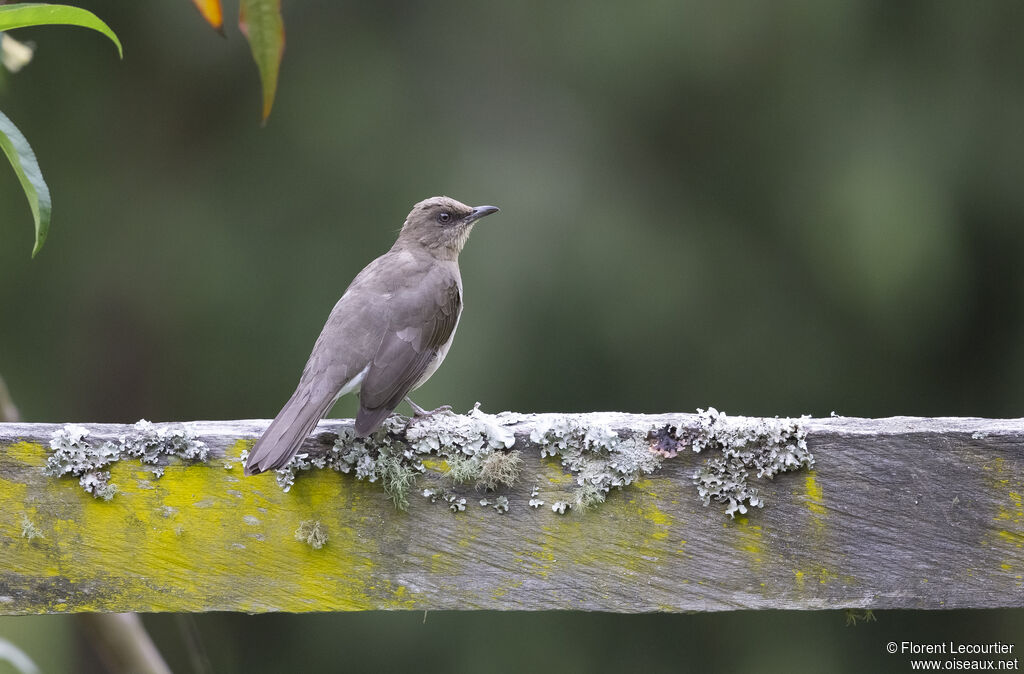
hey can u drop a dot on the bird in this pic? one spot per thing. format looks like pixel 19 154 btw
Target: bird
pixel 387 334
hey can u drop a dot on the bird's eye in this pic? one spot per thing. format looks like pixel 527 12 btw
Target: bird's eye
pixel 444 216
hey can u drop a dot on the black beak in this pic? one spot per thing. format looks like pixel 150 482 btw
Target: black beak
pixel 481 211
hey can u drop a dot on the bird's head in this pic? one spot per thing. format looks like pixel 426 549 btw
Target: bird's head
pixel 442 225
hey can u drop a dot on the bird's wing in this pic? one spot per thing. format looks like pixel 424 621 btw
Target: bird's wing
pixel 415 334
pixel 344 348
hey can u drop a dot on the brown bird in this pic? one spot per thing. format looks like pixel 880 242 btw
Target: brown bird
pixel 386 335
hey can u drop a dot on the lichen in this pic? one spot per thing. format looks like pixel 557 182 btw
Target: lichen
pixel 463 469
pixel 596 454
pixel 456 503
pixel 74 454
pixel 587 497
pixel 500 468
pixel 28 529
pixel 474 446
pixel 397 478
pixel 535 500
pixel 477 449
pixel 313 533
pixel 764 446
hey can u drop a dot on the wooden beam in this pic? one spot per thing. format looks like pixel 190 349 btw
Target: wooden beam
pixel 897 513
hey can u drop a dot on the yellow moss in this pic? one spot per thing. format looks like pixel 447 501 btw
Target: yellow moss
pixel 233 454
pixel 813 495
pixel 1012 537
pixel 539 560
pixel 185 542
pixel 1014 512
pixel 505 586
pixel 441 564
pixel 553 472
pixel 650 511
pixel 436 465
pixel 28 453
pixel 1008 532
pixel 748 538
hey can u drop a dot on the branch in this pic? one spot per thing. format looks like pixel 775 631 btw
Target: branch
pixel 897 513
pixel 8 412
pixel 123 643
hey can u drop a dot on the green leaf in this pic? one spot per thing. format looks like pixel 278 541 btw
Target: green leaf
pixel 25 165
pixel 23 15
pixel 261 23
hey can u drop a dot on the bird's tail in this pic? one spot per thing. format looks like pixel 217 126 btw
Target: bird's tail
pixel 284 436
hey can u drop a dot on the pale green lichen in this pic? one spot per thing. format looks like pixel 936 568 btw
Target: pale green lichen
pixel 500 469
pixel 476 449
pixel 599 457
pixel 535 500
pixel 500 504
pixel 313 533
pixel 74 454
pixel 456 503
pixel 463 469
pixel 30 530
pixel 765 447
pixel 474 446
pixel 397 479
pixel 587 497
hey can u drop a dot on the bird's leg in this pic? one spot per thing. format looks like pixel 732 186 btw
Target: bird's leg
pixel 420 412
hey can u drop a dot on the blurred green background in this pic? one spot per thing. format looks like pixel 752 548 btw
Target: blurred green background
pixel 774 208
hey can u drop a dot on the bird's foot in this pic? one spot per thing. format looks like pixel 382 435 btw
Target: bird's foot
pixel 419 412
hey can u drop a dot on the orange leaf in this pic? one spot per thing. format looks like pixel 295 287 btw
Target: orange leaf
pixel 212 12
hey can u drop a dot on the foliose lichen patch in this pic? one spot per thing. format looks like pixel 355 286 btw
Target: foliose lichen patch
pixel 766 447
pixel 478 449
pixel 75 454
pixel 597 455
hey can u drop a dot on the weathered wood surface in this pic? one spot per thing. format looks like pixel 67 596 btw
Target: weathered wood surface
pixel 899 513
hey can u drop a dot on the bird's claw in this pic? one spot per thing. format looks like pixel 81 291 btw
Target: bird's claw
pixel 426 413
pixel 418 411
